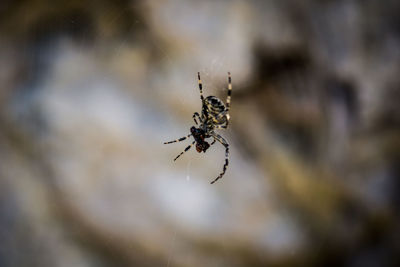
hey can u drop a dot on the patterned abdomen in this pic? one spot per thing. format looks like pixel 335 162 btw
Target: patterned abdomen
pixel 214 110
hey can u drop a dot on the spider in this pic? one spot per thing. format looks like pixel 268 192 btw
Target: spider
pixel 214 115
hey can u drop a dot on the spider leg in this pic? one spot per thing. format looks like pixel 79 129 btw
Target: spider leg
pixel 186 149
pixel 219 117
pixel 200 87
pixel 213 142
pixel 226 145
pixel 178 140
pixel 228 105
pixel 223 126
pixel 228 98
pixel 198 116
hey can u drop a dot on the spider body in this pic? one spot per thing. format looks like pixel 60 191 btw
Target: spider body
pixel 214 115
pixel 214 112
pixel 199 135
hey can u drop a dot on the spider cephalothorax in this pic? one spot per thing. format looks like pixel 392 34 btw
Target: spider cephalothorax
pixel 199 135
pixel 214 115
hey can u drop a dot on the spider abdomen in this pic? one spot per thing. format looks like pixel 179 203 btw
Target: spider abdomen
pixel 214 105
pixel 214 111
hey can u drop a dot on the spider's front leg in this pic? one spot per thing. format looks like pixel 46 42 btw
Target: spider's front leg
pixel 226 145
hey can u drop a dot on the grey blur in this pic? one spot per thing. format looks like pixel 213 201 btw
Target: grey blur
pixel 90 90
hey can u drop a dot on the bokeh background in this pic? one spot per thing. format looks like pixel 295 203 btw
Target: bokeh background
pixel 89 91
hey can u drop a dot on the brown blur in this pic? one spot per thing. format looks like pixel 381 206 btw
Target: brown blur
pixel 90 90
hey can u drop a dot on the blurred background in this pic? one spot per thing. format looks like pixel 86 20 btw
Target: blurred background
pixel 89 91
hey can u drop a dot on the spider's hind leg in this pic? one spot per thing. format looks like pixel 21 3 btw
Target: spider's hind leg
pixel 225 113
pixel 228 98
pixel 200 87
